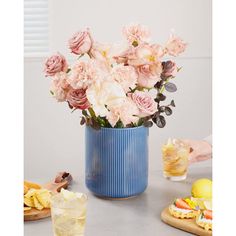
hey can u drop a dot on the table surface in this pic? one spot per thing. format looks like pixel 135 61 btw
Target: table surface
pixel 133 217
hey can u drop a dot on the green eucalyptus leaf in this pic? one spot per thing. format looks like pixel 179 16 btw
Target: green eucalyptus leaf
pixel 140 122
pixel 71 107
pixel 160 121
pixel 154 119
pixel 172 103
pixel 84 112
pixel 160 97
pixel 168 111
pixel 162 109
pixel 83 121
pixel 158 85
pixel 101 121
pixel 95 125
pixel 170 87
pixel 148 124
pixel 119 124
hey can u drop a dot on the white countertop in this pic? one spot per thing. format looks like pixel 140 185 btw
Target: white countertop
pixel 137 216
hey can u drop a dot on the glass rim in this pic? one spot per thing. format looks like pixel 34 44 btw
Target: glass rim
pixel 72 207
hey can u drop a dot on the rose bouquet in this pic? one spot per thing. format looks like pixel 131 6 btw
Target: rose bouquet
pixel 119 85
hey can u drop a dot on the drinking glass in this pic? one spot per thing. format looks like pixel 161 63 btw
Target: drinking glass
pixel 175 156
pixel 68 215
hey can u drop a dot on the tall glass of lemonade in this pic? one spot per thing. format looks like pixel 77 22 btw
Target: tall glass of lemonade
pixel 175 156
pixel 68 212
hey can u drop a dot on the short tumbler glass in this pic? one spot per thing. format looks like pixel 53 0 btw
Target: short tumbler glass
pixel 175 156
pixel 68 215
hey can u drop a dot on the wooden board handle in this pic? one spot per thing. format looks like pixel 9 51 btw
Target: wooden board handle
pixel 56 187
pixel 62 180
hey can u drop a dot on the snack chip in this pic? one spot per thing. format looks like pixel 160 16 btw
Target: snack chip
pixel 43 196
pixel 37 204
pixel 27 208
pixel 31 185
pixel 26 189
pixel 38 198
pixel 28 202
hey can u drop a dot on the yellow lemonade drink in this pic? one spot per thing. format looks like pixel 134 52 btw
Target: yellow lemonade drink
pixel 175 155
pixel 68 212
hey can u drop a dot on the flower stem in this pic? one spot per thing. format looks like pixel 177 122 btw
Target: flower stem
pixel 162 89
pixel 80 56
pixel 163 86
pixel 92 113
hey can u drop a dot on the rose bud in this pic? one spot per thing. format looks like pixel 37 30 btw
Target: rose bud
pixel 54 64
pixel 145 103
pixel 169 69
pixel 77 99
pixel 81 42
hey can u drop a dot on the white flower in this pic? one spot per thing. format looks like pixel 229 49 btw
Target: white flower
pixel 105 93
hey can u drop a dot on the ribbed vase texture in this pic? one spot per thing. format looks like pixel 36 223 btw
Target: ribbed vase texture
pixel 116 161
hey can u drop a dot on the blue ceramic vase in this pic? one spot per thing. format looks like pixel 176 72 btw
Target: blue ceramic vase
pixel 116 161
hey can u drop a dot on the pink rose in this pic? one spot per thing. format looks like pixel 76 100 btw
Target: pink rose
pixel 149 74
pixel 81 42
pixel 77 99
pixel 145 103
pixel 127 112
pixel 175 46
pixel 136 33
pixel 126 76
pixel 55 64
pixel 169 69
pixel 60 86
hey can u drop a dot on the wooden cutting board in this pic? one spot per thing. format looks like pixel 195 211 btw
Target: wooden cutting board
pixel 34 214
pixel 187 225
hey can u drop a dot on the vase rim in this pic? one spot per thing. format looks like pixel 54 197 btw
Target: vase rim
pixel 120 129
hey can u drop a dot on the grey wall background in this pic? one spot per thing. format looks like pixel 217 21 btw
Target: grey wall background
pixel 54 139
